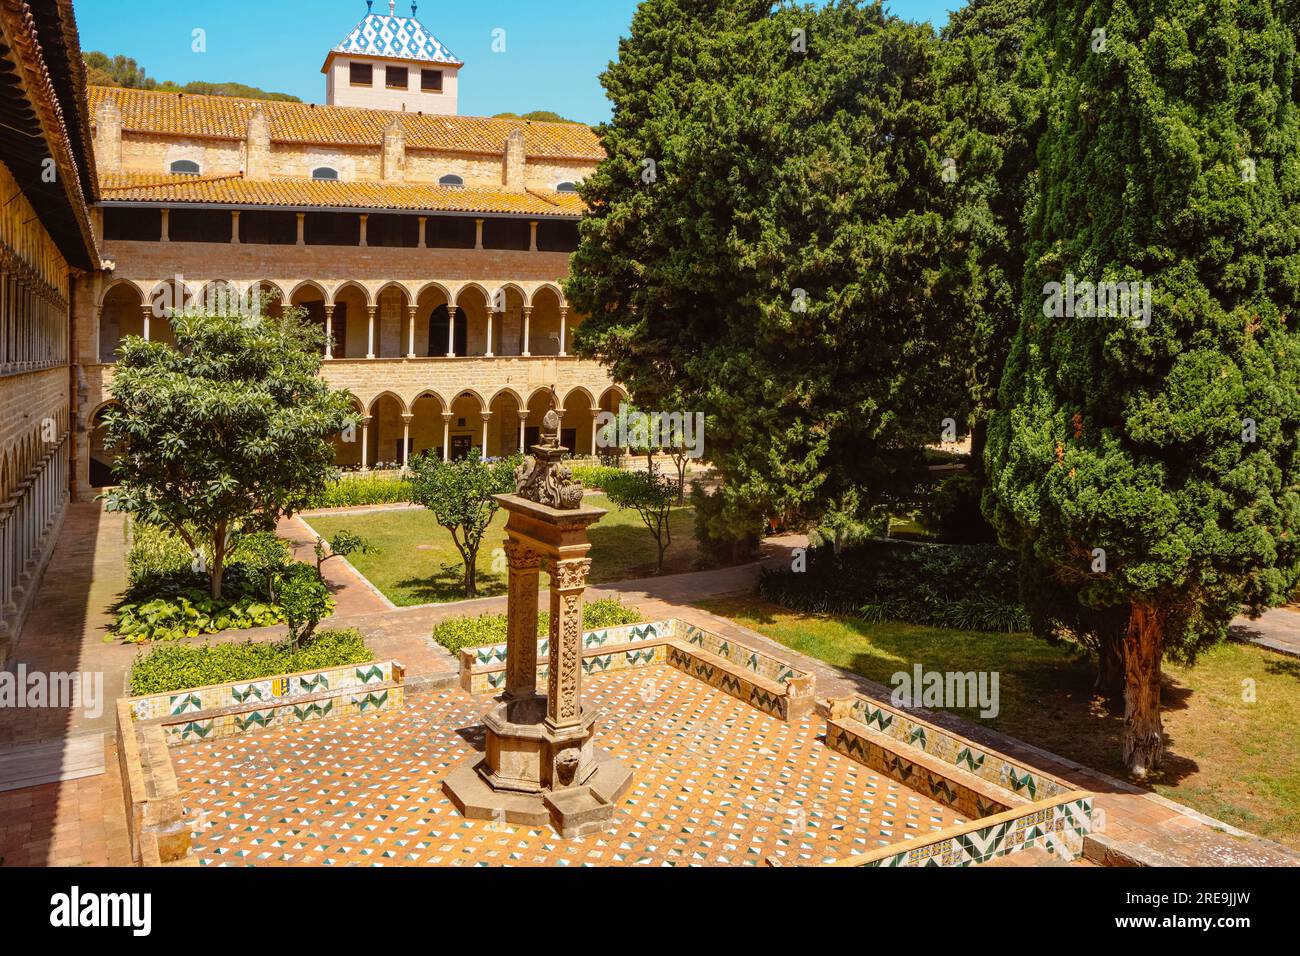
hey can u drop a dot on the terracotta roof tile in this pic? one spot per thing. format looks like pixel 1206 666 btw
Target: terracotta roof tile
pixel 308 193
pixel 225 117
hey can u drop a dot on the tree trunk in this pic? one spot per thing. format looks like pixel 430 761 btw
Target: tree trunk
pixel 1110 667
pixel 1144 743
pixel 471 574
pixel 218 561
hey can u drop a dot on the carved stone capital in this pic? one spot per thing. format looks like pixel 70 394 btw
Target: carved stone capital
pixel 569 575
pixel 521 558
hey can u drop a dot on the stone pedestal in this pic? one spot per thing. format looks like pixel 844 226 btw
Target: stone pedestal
pixel 540 765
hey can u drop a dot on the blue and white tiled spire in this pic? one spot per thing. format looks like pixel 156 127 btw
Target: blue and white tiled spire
pixel 402 38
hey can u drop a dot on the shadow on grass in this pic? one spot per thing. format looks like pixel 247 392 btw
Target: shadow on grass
pixel 444 586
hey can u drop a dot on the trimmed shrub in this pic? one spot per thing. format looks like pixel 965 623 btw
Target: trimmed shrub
pixel 461 632
pixel 181 666
pixel 365 490
pixel 968 587
pixel 595 476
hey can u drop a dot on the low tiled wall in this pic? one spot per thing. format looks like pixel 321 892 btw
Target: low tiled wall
pixel 148 726
pixel 1013 806
pixel 760 680
pixel 222 710
pixel 483 669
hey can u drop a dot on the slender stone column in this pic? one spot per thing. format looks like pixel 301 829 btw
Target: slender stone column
pixel 446 436
pixel 487 417
pixel 528 321
pixel 521 618
pixel 532 237
pixel 166 227
pixel 564 320
pixel 488 353
pixel 410 328
pixel 329 331
pixel 365 443
pixel 564 682
pixel 424 232
pixel 478 233
pixel 302 219
pixel 234 227
pixel 523 421
pixel 594 431
pixel 364 241
pixel 451 330
pixel 146 312
pixel 406 440
pixel 370 313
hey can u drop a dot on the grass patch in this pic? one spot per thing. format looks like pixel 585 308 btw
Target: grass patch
pixel 1234 760
pixel 174 667
pixel 417 563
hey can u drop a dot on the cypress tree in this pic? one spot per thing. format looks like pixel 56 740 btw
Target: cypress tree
pixel 1154 464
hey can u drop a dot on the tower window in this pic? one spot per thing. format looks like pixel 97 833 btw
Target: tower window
pixel 451 180
pixel 361 74
pixel 325 172
pixel 431 81
pixel 184 167
pixel 567 188
pixel 396 78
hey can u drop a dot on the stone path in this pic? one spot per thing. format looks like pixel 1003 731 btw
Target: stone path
pixel 59 821
pixel 1278 629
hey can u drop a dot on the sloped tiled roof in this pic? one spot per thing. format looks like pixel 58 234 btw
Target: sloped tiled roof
pixel 235 190
pixel 226 117
pixel 402 38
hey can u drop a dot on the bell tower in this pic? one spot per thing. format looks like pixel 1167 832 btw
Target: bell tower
pixel 390 62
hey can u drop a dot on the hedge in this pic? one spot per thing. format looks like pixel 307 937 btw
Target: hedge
pixel 174 667
pixel 461 632
pixel 365 490
pixel 969 587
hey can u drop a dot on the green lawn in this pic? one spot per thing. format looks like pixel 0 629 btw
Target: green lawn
pixel 1237 761
pixel 417 563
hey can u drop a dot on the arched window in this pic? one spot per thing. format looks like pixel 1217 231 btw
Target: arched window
pixel 184 167
pixel 567 188
pixel 451 180
pixel 325 172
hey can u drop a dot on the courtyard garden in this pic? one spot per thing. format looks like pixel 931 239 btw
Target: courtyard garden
pixel 415 561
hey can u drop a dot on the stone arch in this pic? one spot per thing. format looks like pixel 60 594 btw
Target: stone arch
pixel 432 322
pixel 427 423
pixel 276 300
pixel 473 287
pixel 309 284
pixel 351 302
pixel 385 430
pixel 119 316
pixel 544 331
pixel 392 322
pixel 472 302
pixel 577 427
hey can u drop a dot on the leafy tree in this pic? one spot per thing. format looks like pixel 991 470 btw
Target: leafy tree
pixel 459 493
pixel 343 543
pixel 264 554
pixel 225 431
pixel 652 496
pixel 102 70
pixel 1154 467
pixel 539 116
pixel 770 243
pixel 305 599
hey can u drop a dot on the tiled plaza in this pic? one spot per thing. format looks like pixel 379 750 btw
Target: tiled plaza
pixel 717 783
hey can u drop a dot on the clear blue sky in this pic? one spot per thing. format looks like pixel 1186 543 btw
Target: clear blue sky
pixel 555 49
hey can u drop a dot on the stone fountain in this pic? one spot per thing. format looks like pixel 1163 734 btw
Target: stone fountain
pixel 540 765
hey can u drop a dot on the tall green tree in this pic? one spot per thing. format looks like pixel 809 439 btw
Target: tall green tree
pixel 1154 466
pixel 460 496
pixel 226 430
pixel 771 243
